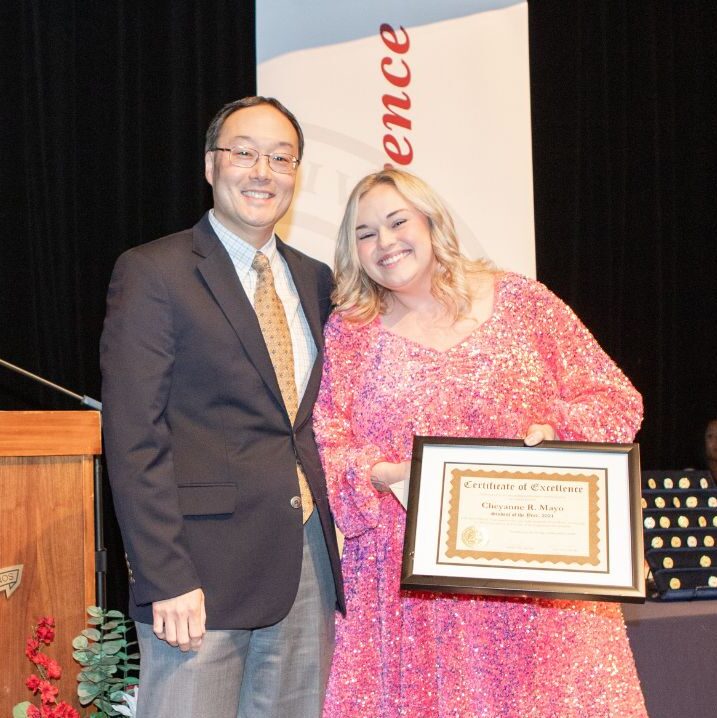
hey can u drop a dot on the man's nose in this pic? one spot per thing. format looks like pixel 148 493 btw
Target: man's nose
pixel 261 168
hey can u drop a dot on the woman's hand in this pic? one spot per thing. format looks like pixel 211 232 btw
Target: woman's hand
pixel 537 433
pixel 385 473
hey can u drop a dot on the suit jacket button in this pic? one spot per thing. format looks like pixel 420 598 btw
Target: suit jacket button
pixel 295 502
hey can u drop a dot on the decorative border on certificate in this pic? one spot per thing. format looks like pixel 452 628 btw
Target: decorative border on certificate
pixel 561 519
pixel 544 517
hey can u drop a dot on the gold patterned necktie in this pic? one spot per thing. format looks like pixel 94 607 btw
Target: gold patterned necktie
pixel 272 320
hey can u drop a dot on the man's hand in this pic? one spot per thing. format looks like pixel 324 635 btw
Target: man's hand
pixel 181 620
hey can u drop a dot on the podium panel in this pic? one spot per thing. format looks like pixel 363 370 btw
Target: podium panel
pixel 46 540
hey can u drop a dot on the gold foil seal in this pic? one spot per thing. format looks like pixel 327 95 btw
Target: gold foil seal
pixel 657 542
pixel 702 521
pixel 712 502
pixel 705 561
pixel 651 483
pixel 712 581
pixel 684 483
pixel 664 522
pixel 692 541
pixel 691 502
pixel 667 562
pixel 675 583
pixel 649 523
pixel 668 483
pixel 643 502
pixel 676 502
pixel 683 522
pixel 660 502
pixel 675 542
pixel 704 483
pixel 709 541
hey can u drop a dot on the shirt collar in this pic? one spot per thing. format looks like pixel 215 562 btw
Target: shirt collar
pixel 241 252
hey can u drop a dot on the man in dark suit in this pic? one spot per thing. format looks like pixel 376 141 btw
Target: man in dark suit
pixel 211 361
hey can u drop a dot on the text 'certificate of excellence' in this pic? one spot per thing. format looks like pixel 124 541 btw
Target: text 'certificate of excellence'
pixel 488 516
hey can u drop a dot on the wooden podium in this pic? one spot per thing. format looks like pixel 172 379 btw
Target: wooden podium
pixel 47 529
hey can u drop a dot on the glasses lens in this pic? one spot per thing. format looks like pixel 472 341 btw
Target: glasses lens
pixel 244 156
pixel 282 163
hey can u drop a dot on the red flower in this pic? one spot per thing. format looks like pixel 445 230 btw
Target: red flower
pixel 40 660
pixel 45 633
pixel 48 692
pixel 64 710
pixel 49 670
pixel 31 647
pixel 33 683
pixel 53 669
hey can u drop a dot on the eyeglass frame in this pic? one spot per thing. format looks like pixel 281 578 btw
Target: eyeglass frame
pixel 295 160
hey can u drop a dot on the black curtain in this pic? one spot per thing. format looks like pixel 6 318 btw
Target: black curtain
pixel 624 96
pixel 104 109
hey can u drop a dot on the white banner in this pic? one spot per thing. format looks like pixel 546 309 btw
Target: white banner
pixel 440 89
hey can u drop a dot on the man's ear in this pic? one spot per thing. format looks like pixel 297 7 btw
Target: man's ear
pixel 209 167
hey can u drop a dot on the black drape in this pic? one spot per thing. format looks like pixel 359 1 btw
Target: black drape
pixel 102 119
pixel 624 96
pixel 103 113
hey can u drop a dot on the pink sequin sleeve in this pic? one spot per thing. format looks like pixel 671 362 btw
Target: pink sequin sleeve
pixel 347 462
pixel 595 400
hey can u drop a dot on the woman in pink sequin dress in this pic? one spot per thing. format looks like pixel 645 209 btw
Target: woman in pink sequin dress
pixel 427 342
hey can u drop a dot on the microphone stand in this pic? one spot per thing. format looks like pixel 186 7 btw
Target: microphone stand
pixel 84 400
pixel 100 550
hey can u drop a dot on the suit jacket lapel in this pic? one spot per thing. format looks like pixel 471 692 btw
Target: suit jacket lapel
pixel 305 282
pixel 218 272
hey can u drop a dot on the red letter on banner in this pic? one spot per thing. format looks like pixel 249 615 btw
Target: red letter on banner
pixel 396 80
pixel 389 101
pixel 393 150
pixel 390 39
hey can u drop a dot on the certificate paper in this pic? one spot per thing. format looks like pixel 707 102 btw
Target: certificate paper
pixel 490 516
pixel 513 517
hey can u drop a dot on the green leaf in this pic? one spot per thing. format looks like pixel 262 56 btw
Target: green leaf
pixel 86 690
pixel 94 611
pixel 92 633
pixel 80 641
pixel 95 676
pixel 20 710
pixel 82 656
pixel 131 681
pixel 106 706
pixel 94 621
pixel 112 647
pixel 114 614
pixel 112 635
pixel 110 625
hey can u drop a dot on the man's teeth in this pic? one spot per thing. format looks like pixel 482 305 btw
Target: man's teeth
pixel 256 195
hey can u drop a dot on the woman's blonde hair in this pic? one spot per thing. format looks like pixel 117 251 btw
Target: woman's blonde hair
pixel 359 297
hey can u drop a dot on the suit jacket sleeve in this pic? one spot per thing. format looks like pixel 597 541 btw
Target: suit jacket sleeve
pixel 137 354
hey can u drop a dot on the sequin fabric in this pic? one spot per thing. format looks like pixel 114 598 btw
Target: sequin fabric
pixel 431 655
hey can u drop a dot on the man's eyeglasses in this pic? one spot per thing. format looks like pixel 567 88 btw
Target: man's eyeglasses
pixel 248 157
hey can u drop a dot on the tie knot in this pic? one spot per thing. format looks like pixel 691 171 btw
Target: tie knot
pixel 260 263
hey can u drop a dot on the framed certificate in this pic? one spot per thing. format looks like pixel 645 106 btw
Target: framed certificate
pixel 561 519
